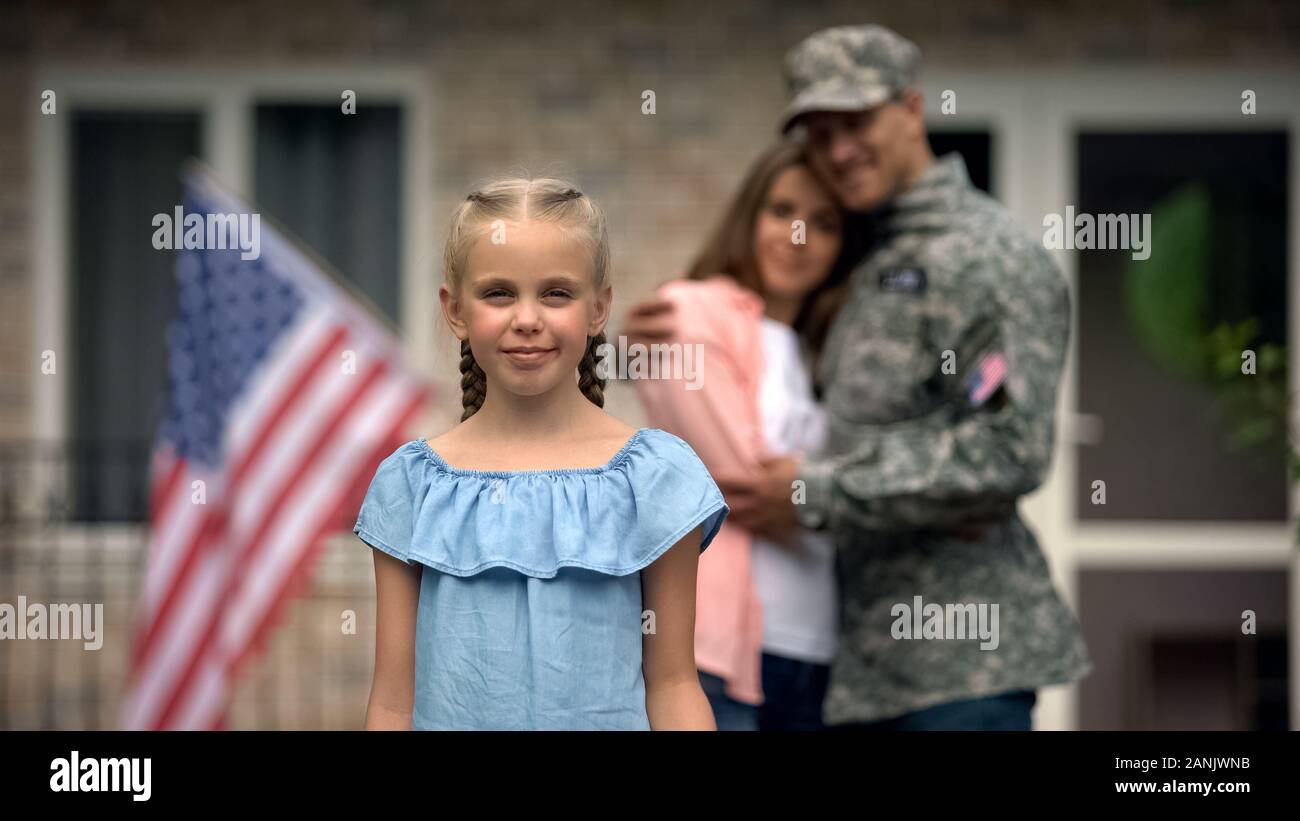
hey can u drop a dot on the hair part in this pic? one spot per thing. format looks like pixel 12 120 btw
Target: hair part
pixel 520 199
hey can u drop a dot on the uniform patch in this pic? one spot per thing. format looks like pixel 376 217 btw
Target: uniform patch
pixel 904 279
pixel 989 374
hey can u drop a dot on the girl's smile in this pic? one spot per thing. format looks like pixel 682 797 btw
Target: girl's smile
pixel 527 357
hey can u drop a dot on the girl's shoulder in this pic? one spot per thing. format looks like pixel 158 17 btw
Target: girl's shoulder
pixel 615 518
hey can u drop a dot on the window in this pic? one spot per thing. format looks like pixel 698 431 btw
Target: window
pixel 124 169
pixel 976 149
pixel 335 181
pixel 1219 216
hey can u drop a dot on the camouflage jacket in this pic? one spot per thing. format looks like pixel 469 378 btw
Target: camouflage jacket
pixel 953 289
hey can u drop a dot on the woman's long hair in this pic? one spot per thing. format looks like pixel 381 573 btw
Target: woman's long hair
pixel 729 249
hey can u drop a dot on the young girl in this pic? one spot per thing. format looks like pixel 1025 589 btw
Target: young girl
pixel 535 566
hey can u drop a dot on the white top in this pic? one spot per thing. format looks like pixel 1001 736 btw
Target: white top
pixel 795 579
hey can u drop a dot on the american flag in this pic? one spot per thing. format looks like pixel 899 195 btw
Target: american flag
pixel 990 372
pixel 284 394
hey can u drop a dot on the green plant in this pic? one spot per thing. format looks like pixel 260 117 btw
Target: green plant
pixel 1167 298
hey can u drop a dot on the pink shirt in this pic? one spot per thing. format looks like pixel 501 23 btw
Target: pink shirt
pixel 721 421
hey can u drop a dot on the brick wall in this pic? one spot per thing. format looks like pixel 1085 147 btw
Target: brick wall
pixel 557 85
pixel 554 85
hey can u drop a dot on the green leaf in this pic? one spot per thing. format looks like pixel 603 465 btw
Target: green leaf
pixel 1168 294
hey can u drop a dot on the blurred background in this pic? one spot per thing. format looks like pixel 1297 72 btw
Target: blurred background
pixel 1109 107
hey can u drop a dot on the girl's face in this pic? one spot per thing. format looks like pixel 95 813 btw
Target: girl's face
pixel 790 268
pixel 527 304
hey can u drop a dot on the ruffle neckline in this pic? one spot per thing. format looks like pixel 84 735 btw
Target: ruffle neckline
pixel 442 464
pixel 616 518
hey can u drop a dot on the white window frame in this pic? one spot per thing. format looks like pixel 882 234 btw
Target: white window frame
pixel 224 99
pixel 1035 119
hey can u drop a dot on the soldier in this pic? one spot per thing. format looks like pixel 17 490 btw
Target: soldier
pixel 939 378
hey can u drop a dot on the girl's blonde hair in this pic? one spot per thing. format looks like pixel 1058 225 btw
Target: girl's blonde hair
pixel 517 199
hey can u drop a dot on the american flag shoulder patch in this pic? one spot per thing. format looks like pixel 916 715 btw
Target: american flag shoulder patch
pixel 988 375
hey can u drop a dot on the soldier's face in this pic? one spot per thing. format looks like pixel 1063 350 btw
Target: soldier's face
pixel 864 156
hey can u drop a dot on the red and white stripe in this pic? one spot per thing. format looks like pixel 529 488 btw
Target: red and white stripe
pixel 221 571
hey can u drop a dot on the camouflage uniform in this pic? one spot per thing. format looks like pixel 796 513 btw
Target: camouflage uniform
pixel 912 450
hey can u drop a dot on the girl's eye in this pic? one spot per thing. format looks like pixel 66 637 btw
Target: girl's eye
pixel 782 209
pixel 499 293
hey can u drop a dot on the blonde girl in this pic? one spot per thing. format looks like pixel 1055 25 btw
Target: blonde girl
pixel 535 565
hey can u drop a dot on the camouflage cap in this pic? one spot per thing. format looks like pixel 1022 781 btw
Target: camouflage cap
pixel 847 68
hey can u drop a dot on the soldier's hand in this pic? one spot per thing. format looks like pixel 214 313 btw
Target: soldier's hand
pixel 649 321
pixel 762 502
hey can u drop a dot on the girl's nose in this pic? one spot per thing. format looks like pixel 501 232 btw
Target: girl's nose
pixel 526 315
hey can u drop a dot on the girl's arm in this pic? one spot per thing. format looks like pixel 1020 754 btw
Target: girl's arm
pixel 397 596
pixel 673 697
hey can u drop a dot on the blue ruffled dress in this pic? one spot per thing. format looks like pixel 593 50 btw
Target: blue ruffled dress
pixel 530 613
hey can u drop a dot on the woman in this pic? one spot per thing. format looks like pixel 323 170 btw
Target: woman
pixel 759 299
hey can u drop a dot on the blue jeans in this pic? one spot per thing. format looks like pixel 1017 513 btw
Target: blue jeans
pixel 792 692
pixel 1005 711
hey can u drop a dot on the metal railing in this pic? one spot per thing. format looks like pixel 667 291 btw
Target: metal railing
pixel 74 530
